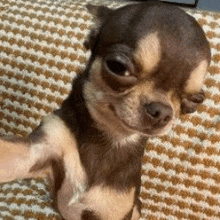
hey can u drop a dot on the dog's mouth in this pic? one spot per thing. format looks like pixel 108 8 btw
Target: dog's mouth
pixel 150 132
pixel 147 128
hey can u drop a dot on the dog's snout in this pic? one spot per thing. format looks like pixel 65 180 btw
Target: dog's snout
pixel 159 112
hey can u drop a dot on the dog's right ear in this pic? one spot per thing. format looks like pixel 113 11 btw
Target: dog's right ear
pixel 100 14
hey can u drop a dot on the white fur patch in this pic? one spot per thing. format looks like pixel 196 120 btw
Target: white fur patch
pixel 130 139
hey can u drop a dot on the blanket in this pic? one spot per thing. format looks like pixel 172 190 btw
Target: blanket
pixel 41 52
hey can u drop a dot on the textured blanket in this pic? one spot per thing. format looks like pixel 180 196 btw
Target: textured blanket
pixel 41 51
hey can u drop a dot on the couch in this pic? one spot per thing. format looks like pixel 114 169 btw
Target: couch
pixel 41 52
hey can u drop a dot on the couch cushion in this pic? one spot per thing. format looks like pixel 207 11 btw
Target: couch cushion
pixel 41 51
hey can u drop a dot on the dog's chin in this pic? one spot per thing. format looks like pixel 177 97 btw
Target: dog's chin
pixel 148 131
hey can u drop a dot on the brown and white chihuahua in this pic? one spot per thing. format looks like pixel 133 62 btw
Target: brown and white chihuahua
pixel 147 67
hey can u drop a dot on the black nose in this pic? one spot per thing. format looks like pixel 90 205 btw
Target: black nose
pixel 159 113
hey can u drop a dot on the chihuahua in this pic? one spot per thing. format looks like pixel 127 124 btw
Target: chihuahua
pixel 147 67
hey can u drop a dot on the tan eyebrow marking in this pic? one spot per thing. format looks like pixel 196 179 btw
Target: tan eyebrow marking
pixel 148 52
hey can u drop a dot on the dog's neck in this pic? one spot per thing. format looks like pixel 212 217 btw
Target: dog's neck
pixel 97 148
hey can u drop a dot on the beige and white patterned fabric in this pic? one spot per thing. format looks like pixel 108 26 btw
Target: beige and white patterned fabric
pixel 41 51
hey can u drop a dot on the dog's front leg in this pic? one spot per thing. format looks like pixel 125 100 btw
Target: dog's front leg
pixel 102 203
pixel 19 157
pixel 16 158
pixel 35 156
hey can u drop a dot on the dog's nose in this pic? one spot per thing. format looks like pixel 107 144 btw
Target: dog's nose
pixel 159 112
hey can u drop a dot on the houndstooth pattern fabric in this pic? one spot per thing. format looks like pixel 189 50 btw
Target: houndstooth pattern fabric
pixel 26 199
pixel 41 51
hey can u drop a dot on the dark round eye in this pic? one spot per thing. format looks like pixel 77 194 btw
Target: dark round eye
pixel 117 67
pixel 118 71
pixel 197 98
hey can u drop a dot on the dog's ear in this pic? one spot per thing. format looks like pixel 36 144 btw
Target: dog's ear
pixel 100 14
pixel 191 102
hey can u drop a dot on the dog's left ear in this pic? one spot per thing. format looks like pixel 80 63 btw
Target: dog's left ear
pixel 100 14
pixel 191 102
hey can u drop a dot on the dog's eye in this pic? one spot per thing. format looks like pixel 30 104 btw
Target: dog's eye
pixel 198 98
pixel 118 71
pixel 117 67
pixel 191 102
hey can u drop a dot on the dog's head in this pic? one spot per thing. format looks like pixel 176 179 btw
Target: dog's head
pixel 148 65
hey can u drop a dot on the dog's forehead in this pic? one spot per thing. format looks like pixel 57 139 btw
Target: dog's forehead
pixel 126 25
pixel 166 44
